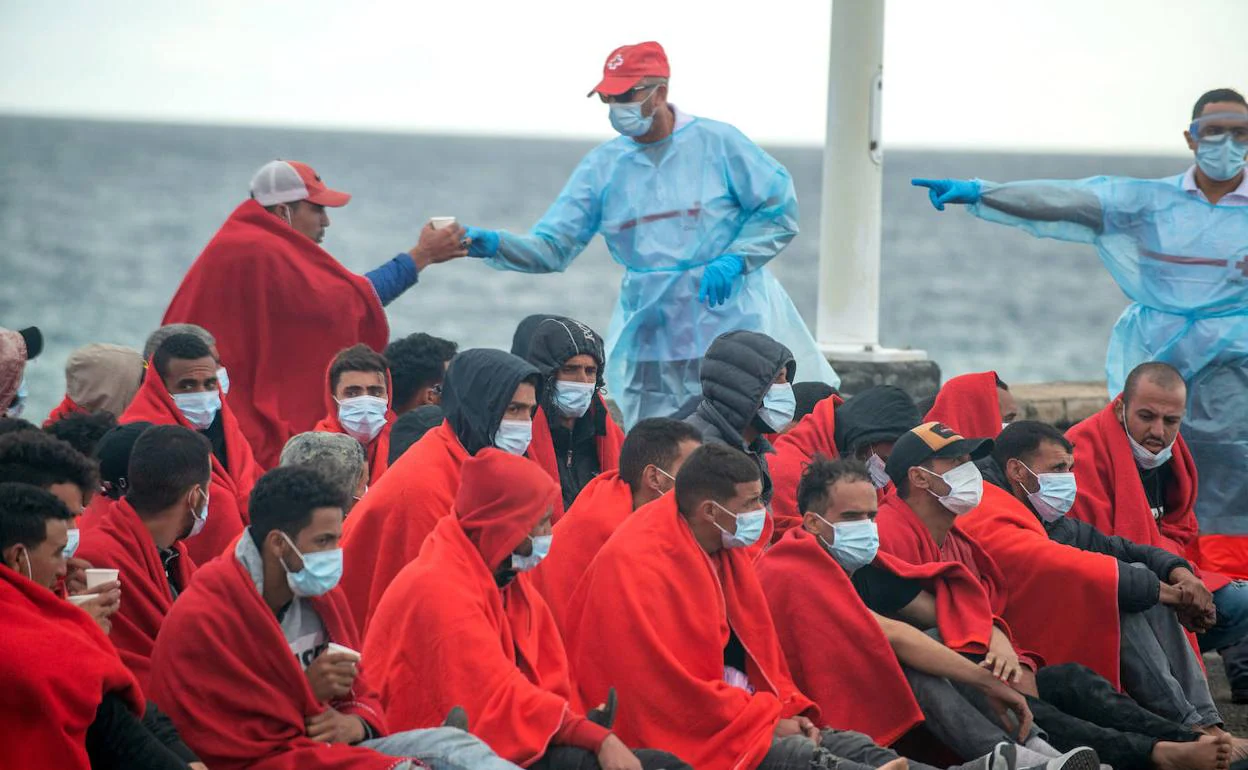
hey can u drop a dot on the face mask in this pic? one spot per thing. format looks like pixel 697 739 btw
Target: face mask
pixel 1144 457
pixel 199 409
pixel 513 436
pixel 855 544
pixel 749 527
pixel 321 572
pixel 18 406
pixel 628 119
pixel 71 545
pixel 1056 494
pixel 541 547
pixel 778 407
pixel 362 417
pixel 1221 159
pixel 966 488
pixel 197 525
pixel 223 379
pixel 574 398
pixel 875 468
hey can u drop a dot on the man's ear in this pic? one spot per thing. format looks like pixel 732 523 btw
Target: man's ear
pixel 9 556
pixel 810 523
pixel 918 479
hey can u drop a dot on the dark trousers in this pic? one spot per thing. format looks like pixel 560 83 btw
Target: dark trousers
pixel 573 758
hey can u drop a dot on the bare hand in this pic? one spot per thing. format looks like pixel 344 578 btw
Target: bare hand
pixel 76 577
pixel 1194 591
pixel 331 676
pixel 614 755
pixel 332 726
pixel 809 729
pixel 1004 701
pixel 197 766
pixel 787 727
pixel 103 606
pixel 1001 659
pixel 437 246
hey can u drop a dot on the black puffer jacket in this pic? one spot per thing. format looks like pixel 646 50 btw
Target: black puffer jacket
pixel 477 388
pixel 881 413
pixel 737 370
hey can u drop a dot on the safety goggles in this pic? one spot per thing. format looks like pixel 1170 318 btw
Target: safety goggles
pixel 1215 127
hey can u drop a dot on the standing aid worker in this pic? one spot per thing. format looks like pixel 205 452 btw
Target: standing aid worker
pixel 693 210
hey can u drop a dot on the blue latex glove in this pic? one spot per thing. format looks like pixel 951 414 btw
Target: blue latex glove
pixel 481 242
pixel 942 191
pixel 717 278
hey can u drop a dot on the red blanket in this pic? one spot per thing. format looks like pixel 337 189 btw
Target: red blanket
pixel 1048 580
pixel 651 618
pixel 63 409
pixel 120 541
pixel 56 665
pixel 835 648
pixel 814 434
pixel 969 405
pixel 379 448
pixel 229 490
pixel 542 448
pixel 281 308
pixel 601 506
pixel 1111 495
pixel 445 635
pixel 224 673
pixel 386 529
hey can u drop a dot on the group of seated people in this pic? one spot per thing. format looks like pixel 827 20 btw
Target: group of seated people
pixel 467 563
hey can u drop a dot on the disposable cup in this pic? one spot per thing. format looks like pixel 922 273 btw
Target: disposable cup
pixel 441 222
pixel 338 648
pixel 98 577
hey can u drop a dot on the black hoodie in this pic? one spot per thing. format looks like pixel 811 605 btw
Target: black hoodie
pixel 478 388
pixel 737 370
pixel 877 414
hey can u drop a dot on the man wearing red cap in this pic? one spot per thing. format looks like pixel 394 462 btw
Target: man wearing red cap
pixel 694 211
pixel 281 307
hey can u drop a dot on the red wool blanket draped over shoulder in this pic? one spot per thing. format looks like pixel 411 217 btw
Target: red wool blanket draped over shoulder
pixel 1112 498
pixel 229 490
pixel 378 450
pixel 602 506
pixel 651 618
pixel 834 646
pixel 56 665
pixel 281 308
pixel 386 529
pixel 119 540
pixel 224 673
pixel 542 448
pixel 1049 580
pixel 969 405
pixel 814 434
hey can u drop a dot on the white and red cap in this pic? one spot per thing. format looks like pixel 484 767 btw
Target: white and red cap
pixel 287 181
pixel 627 65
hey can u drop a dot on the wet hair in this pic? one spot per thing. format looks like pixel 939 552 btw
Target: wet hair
pixel 337 457
pixel 712 472
pixel 417 361
pixel 113 456
pixel 814 490
pixel 357 358
pixel 165 462
pixel 184 347
pixel 15 424
pixel 655 441
pixel 1021 440
pixel 1217 95
pixel 33 457
pixel 1161 374
pixel 284 499
pixel 155 339
pixel 82 430
pixel 24 514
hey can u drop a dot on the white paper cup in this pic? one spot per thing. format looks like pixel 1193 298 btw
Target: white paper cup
pixel 98 577
pixel 338 648
pixel 441 222
pixel 81 599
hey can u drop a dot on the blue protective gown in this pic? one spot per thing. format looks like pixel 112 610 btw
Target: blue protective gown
pixel 665 210
pixel 1184 264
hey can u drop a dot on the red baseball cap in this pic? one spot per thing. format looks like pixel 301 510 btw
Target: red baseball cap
pixel 628 64
pixel 287 181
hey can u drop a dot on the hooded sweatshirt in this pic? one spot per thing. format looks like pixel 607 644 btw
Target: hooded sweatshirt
pixel 737 371
pixel 99 378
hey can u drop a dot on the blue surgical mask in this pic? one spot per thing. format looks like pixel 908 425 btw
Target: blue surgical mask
pixel 573 398
pixel 749 527
pixel 779 405
pixel 1056 495
pixel 320 574
pixel 628 118
pixel 854 544
pixel 541 547
pixel 199 409
pixel 71 544
pixel 1144 457
pixel 362 417
pixel 223 380
pixel 1221 159
pixel 513 436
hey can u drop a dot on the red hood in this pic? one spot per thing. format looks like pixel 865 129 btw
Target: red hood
pixel 968 404
pixel 501 497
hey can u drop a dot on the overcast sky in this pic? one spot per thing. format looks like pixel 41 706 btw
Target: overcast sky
pixel 1013 74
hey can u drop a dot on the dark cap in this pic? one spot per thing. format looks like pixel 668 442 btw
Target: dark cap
pixel 928 441
pixel 34 341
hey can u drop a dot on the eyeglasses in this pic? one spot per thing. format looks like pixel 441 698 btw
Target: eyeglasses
pixel 629 96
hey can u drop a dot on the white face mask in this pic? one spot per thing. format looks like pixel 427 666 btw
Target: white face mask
pixel 966 488
pixel 1144 457
pixel 573 398
pixel 779 406
pixel 875 468
pixel 363 417
pixel 223 380
pixel 199 409
pixel 197 525
pixel 514 436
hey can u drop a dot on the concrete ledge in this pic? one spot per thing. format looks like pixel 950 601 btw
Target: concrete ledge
pixel 920 379
pixel 1060 403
